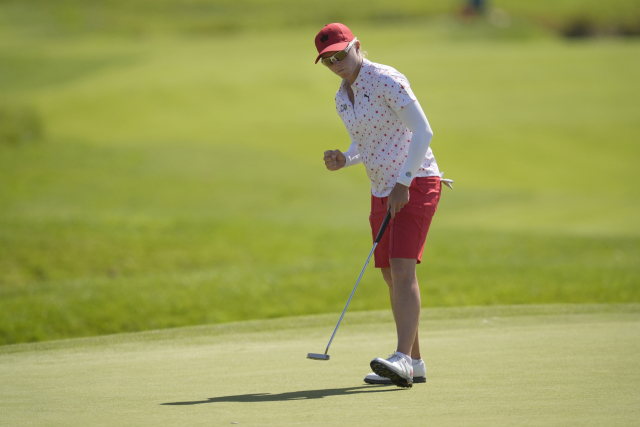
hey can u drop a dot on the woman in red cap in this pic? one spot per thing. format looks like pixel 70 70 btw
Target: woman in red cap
pixel 390 135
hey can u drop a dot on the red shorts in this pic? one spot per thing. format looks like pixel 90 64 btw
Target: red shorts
pixel 407 232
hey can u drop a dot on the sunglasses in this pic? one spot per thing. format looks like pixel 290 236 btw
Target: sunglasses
pixel 339 56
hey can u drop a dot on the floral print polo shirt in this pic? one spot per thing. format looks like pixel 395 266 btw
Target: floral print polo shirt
pixel 372 122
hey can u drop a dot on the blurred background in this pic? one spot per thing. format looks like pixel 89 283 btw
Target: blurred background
pixel 161 160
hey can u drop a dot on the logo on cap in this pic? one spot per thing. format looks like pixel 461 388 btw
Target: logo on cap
pixel 324 38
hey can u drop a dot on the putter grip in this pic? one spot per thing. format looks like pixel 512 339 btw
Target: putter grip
pixel 383 226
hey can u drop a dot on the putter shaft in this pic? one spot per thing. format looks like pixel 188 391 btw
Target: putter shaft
pixel 351 296
pixel 378 237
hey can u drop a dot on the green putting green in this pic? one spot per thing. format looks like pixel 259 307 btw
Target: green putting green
pixel 502 365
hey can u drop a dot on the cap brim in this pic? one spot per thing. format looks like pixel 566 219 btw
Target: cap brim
pixel 333 48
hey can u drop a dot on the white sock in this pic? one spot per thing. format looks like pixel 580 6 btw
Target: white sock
pixel 406 357
pixel 417 361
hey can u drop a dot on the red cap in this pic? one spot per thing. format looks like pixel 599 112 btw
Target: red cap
pixel 333 37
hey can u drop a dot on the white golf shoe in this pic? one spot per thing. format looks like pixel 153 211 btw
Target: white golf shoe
pixel 396 368
pixel 419 375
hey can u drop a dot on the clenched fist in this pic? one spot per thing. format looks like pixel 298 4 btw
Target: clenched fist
pixel 334 160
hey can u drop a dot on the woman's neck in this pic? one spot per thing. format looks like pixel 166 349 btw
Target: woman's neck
pixel 352 79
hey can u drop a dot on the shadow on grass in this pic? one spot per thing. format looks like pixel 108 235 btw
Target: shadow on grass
pixel 294 395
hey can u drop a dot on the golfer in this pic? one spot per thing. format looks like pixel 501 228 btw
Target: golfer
pixel 390 135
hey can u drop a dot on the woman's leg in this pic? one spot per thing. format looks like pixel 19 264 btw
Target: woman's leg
pixel 406 311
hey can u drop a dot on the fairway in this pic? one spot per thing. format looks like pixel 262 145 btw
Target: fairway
pixel 172 191
pixel 487 366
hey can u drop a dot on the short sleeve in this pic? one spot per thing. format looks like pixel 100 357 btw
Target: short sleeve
pixel 397 92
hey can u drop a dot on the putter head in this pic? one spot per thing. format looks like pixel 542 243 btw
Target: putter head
pixel 316 356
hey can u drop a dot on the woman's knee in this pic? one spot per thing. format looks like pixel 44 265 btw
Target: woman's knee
pixel 403 270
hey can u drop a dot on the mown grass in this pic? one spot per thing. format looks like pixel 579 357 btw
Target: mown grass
pixel 187 277
pixel 180 181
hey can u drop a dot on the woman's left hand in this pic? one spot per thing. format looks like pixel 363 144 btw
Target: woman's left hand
pixel 398 197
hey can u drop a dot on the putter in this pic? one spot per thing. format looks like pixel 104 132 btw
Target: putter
pixel 325 356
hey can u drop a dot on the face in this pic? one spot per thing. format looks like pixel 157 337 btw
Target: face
pixel 349 65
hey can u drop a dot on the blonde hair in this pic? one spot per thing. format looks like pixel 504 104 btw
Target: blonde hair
pixel 362 53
